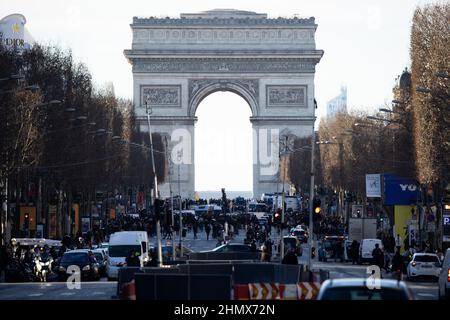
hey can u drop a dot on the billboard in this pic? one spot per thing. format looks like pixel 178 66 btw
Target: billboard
pixel 373 185
pixel 402 218
pixel 12 32
pixel 400 191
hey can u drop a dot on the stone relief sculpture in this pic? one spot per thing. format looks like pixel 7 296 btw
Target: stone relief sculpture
pixel 278 96
pixel 161 96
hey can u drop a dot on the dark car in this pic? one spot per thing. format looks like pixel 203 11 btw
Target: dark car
pixel 83 259
pixel 234 248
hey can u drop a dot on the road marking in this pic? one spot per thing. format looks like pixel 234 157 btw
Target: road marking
pixel 35 294
pixel 97 293
pixel 425 294
pixel 67 293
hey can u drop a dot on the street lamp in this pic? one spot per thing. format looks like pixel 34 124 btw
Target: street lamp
pixel 148 110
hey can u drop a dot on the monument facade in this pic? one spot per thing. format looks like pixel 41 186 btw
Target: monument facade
pixel 177 62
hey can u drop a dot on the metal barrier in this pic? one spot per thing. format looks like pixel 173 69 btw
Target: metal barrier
pixel 182 287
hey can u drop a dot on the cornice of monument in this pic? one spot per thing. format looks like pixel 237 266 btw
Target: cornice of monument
pixel 223 17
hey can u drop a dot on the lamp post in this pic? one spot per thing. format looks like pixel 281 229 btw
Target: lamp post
pixel 179 156
pixel 155 183
pixel 171 196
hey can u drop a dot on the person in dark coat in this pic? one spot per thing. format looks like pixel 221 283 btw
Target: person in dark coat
pixel 378 256
pixel 290 257
pixel 354 251
pixel 207 230
pixel 133 259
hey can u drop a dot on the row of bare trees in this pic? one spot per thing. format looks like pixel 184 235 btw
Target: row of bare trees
pixel 62 140
pixel 410 138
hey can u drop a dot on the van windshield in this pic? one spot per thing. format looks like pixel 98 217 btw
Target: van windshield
pixel 123 251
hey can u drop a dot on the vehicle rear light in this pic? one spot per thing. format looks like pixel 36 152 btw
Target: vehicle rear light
pixel 448 275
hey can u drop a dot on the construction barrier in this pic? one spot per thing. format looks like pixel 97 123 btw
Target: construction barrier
pixel 182 287
pixel 276 291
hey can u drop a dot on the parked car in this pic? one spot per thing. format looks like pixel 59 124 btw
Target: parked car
pixel 424 264
pixel 364 289
pixel 444 277
pixel 89 267
pixel 102 260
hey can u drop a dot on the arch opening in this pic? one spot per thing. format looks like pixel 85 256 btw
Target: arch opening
pixel 223 145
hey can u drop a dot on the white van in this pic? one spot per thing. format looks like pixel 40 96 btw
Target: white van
pixel 120 245
pixel 366 247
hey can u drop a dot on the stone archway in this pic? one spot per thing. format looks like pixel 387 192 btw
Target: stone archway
pixel 177 62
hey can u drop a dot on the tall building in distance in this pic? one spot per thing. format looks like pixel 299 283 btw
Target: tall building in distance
pixel 337 104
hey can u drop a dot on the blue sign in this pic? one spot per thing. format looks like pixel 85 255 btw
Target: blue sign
pixel 400 191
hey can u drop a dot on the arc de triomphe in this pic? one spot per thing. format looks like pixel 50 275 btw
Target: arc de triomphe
pixel 271 63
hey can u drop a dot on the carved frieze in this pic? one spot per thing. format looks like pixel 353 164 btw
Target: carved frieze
pixel 286 96
pixel 224 65
pixel 161 95
pixel 286 36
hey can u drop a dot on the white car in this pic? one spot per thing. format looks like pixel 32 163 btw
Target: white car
pixel 424 264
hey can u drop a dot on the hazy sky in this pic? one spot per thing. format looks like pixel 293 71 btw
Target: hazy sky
pixel 366 44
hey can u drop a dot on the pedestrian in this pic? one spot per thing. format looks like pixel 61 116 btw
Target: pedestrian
pixel 354 252
pixel 397 264
pixel 195 228
pixel 265 255
pixel 133 259
pixel 398 241
pixel 378 256
pixel 290 257
pixel 207 230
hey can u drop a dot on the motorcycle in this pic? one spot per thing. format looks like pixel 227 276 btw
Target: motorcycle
pixel 43 266
pixel 19 272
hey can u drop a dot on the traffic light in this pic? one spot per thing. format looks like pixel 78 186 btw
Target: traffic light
pixel 316 206
pixel 26 223
pixel 159 208
pixel 277 216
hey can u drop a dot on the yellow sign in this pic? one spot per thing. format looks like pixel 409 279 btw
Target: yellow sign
pixel 402 214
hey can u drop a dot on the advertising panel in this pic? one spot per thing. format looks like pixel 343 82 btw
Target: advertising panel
pixel 373 185
pixel 400 191
pixel 402 216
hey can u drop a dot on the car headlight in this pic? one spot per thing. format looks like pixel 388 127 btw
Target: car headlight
pixel 62 269
pixel 86 268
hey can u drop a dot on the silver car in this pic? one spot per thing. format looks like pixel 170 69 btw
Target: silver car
pixel 364 289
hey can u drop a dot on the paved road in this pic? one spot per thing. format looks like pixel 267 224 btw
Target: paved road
pixel 99 290
pixel 104 290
